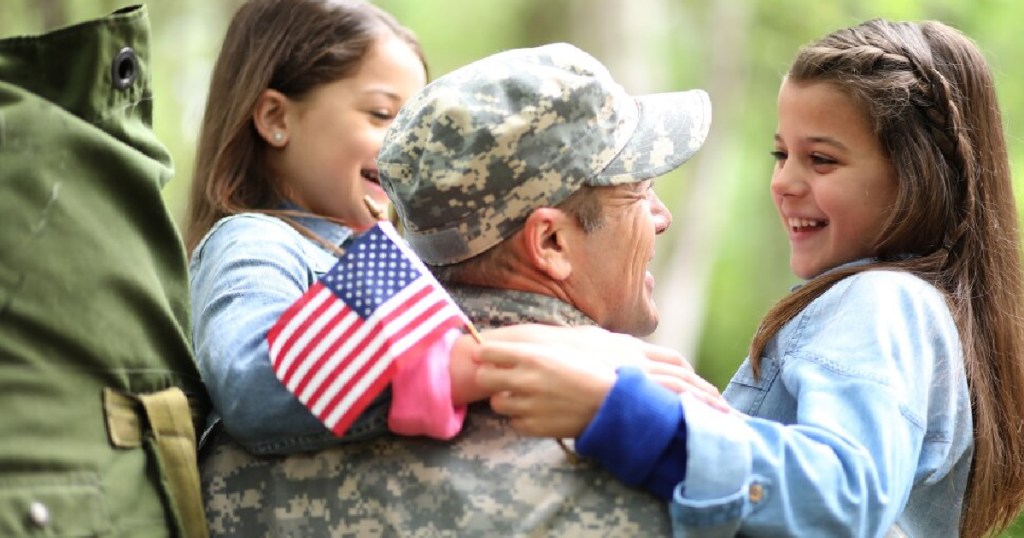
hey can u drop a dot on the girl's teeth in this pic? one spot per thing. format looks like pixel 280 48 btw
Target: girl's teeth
pixel 805 223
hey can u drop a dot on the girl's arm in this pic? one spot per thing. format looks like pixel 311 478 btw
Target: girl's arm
pixel 431 395
pixel 552 380
pixel 243 277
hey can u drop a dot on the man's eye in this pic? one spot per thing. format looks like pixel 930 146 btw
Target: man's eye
pixel 779 155
pixel 382 115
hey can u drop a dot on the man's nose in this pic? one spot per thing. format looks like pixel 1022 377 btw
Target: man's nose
pixel 662 216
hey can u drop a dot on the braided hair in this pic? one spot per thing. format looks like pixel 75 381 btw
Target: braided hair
pixel 930 97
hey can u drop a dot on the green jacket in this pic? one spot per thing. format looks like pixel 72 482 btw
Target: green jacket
pixel 96 439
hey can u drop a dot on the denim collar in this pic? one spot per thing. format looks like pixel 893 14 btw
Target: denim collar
pixel 329 231
pixel 854 263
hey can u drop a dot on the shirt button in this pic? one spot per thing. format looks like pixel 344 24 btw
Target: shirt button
pixel 39 514
pixel 756 493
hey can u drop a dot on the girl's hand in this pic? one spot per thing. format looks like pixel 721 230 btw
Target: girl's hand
pixel 552 380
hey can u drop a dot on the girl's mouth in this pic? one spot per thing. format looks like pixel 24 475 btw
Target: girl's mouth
pixel 804 225
pixel 370 175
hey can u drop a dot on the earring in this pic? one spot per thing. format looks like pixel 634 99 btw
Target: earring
pixel 278 136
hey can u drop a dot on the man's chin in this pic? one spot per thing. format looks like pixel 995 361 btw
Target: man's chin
pixel 641 328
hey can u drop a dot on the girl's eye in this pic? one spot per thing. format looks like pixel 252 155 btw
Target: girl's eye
pixel 819 159
pixel 779 155
pixel 383 115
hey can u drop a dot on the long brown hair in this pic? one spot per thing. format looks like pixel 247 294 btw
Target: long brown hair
pixel 930 95
pixel 291 46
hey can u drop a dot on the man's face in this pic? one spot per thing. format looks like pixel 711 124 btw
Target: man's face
pixel 610 281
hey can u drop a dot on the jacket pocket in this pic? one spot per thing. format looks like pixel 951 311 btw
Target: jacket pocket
pixel 747 392
pixel 52 504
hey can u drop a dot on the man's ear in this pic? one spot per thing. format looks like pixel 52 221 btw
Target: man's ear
pixel 270 117
pixel 547 239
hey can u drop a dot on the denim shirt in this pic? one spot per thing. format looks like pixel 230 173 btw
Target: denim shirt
pixel 858 425
pixel 244 274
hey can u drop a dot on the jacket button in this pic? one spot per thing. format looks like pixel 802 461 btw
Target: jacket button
pixel 756 493
pixel 125 68
pixel 39 514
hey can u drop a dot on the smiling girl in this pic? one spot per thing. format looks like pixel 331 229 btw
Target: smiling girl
pixel 884 396
pixel 300 98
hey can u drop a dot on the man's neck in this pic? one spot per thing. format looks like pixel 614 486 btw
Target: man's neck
pixel 495 307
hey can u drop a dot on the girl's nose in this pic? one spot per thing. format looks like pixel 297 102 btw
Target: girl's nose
pixel 787 180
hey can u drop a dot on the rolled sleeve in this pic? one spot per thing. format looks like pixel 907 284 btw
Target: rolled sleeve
pixel 421 392
pixel 715 495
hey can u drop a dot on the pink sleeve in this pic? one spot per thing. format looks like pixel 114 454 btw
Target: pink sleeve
pixel 421 395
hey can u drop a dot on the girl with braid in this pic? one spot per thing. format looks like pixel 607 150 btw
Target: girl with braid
pixel 885 395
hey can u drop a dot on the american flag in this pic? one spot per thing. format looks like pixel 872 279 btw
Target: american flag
pixel 338 346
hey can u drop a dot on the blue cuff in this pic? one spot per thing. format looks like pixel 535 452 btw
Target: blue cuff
pixel 639 434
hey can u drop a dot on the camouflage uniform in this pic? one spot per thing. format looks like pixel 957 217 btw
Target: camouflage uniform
pixel 488 481
pixel 96 369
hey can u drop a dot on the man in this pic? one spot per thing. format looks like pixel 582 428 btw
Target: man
pixel 524 180
pixel 100 395
pixel 531 171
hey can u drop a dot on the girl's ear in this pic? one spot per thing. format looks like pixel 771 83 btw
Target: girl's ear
pixel 547 241
pixel 270 117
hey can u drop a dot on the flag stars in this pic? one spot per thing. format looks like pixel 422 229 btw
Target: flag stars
pixel 370 272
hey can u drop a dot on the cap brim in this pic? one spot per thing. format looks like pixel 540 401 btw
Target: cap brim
pixel 670 130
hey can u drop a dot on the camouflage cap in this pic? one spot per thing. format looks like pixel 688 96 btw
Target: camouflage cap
pixel 471 155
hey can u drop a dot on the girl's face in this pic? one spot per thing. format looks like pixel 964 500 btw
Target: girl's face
pixel 334 133
pixel 833 184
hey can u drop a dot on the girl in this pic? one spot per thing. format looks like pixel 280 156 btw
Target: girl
pixel 885 396
pixel 301 96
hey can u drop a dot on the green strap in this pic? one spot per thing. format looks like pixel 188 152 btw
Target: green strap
pixel 173 441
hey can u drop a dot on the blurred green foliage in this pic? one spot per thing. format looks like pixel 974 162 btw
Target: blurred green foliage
pixel 737 49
